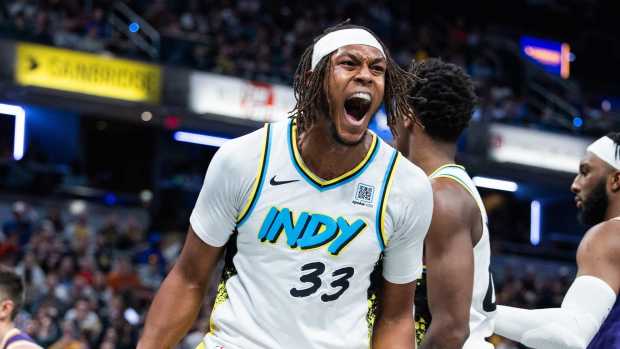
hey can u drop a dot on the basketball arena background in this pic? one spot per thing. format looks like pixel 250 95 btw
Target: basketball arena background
pixel 110 112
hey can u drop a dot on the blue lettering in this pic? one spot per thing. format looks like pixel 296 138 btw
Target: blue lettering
pixel 284 221
pixel 293 234
pixel 321 230
pixel 262 233
pixel 349 232
pixel 310 230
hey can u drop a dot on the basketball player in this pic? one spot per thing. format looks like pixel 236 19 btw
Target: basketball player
pixel 11 299
pixel 456 291
pixel 313 203
pixel 589 316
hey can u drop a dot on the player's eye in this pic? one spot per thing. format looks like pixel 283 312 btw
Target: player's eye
pixel 378 68
pixel 348 63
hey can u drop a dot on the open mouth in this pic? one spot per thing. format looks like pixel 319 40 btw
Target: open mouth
pixel 357 105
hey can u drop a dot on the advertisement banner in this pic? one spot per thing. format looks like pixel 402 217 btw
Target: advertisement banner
pixel 536 148
pixel 227 96
pixel 87 73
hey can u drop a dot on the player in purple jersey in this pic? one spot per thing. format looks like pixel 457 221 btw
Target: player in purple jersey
pixel 11 299
pixel 608 336
pixel 590 313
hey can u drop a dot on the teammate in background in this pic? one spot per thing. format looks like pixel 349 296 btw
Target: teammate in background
pixel 456 290
pixel 11 299
pixel 313 203
pixel 589 316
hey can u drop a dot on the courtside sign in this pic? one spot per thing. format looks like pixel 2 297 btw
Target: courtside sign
pixel 87 73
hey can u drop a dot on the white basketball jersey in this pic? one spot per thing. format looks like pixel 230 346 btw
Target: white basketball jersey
pixel 482 312
pixel 306 246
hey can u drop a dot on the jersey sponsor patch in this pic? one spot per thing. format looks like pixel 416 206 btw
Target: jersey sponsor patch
pixel 364 195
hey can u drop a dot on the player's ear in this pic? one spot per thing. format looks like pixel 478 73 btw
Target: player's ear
pixel 407 123
pixel 615 181
pixel 6 308
pixel 409 120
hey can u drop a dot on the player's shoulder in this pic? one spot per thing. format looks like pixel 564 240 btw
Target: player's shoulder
pixel 237 153
pixel 606 231
pixel 409 178
pixel 20 340
pixel 410 185
pixel 23 344
pixel 602 239
pixel 245 145
pixel 453 195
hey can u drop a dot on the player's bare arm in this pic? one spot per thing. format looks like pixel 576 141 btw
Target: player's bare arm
pixel 586 304
pixel 178 301
pixel 393 328
pixel 598 254
pixel 450 264
pixel 589 310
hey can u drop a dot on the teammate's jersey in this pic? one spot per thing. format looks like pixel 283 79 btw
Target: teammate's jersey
pixel 16 339
pixel 306 247
pixel 482 311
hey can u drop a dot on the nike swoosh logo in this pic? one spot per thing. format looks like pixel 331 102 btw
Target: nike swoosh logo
pixel 274 182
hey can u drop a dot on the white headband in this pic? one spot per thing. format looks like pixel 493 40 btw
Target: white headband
pixel 335 40
pixel 605 149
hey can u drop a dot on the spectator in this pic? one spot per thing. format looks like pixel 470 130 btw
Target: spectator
pixel 31 272
pixel 70 338
pixel 19 226
pixel 123 277
pixel 87 320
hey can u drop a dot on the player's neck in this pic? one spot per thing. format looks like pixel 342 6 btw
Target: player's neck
pixel 325 156
pixel 613 209
pixel 5 327
pixel 429 154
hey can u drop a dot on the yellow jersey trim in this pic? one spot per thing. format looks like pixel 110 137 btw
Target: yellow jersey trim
pixel 259 179
pixel 444 166
pixel 464 185
pixel 316 179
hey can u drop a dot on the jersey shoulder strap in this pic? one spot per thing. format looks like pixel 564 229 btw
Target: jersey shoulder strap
pixel 260 176
pixel 19 336
pixel 458 174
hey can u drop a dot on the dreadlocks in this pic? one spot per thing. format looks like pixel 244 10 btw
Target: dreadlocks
pixel 311 101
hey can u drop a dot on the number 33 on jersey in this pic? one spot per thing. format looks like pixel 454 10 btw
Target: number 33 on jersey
pixel 306 246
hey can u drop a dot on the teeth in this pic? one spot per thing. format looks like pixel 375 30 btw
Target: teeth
pixel 362 95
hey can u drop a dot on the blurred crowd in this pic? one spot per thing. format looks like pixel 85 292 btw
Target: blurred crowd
pixel 90 285
pixel 263 40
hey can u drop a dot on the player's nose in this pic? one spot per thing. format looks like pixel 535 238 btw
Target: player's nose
pixel 574 187
pixel 364 76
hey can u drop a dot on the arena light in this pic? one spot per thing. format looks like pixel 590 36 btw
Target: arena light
pixel 535 218
pixel 197 138
pixel 20 128
pixel 134 27
pixel 497 184
pixel 552 56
